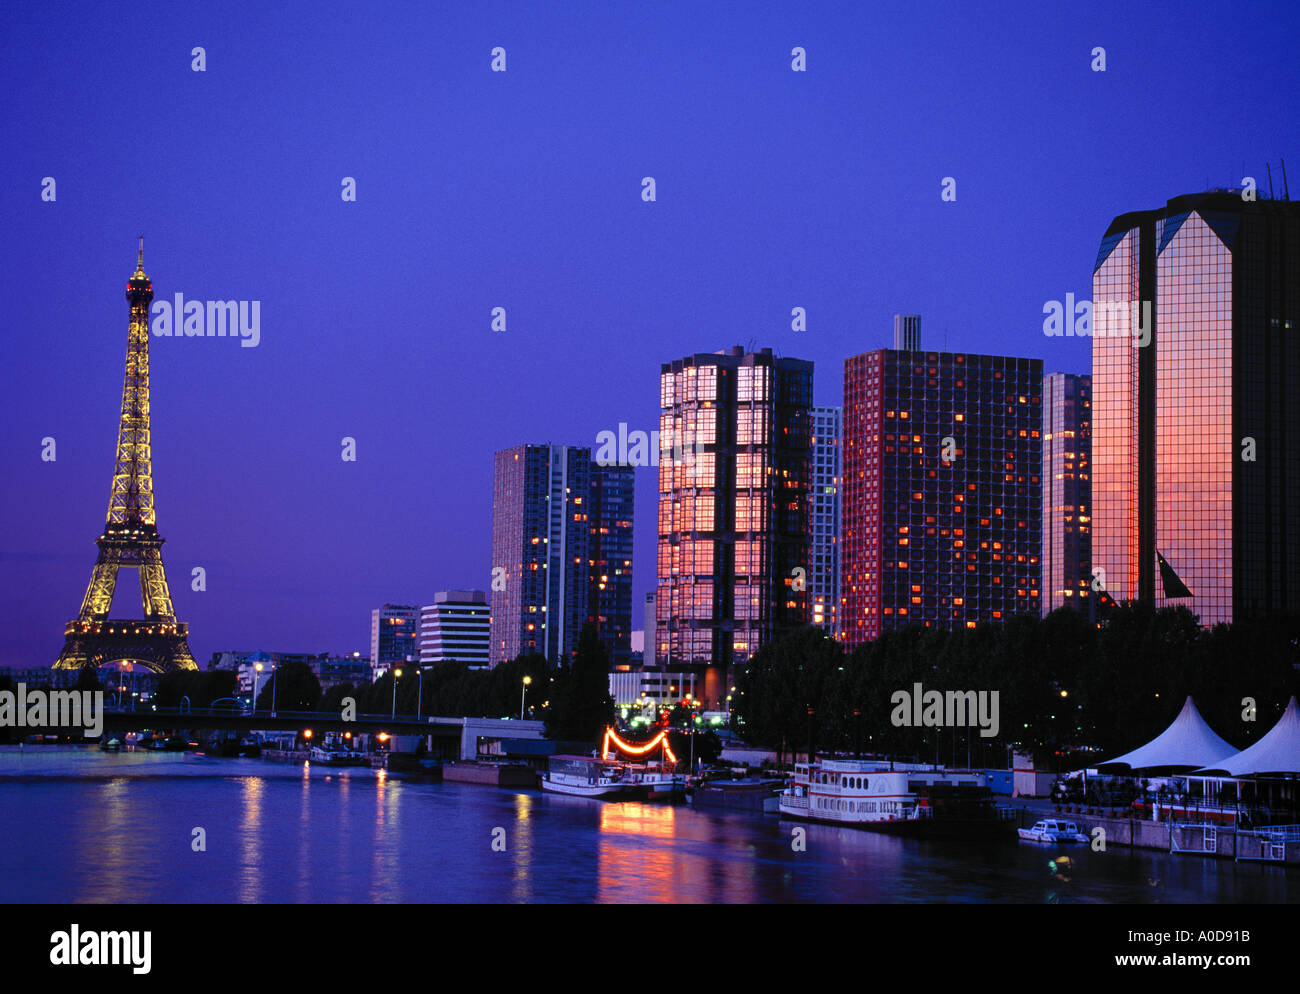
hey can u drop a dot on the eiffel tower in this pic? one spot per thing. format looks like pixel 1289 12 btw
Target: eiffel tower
pixel 159 641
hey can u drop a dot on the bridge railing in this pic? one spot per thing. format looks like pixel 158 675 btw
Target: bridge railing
pixel 267 713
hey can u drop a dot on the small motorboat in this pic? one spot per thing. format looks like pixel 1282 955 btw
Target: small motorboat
pixel 336 757
pixel 1053 830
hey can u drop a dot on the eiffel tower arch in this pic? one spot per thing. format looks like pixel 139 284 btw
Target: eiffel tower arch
pixel 157 641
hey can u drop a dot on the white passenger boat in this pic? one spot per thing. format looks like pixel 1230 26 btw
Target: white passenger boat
pixel 869 794
pixel 1053 830
pixel 585 776
pixel 658 780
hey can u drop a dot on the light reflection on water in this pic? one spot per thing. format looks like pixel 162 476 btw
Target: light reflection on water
pixel 250 878
pixel 81 825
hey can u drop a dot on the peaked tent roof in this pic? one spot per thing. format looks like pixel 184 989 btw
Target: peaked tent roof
pixel 1276 752
pixel 1189 743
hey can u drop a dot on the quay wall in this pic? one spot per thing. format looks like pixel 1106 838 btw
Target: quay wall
pixel 378 760
pixel 284 756
pixel 1139 834
pixel 492 774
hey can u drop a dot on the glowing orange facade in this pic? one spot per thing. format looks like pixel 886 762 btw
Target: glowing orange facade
pixel 1195 369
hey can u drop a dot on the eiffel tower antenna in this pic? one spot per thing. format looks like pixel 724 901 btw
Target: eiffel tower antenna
pixel 158 641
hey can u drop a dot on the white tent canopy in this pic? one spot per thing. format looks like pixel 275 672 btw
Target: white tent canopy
pixel 1187 744
pixel 1276 752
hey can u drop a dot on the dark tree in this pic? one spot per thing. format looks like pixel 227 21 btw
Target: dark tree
pixel 581 707
pixel 88 679
pixel 331 701
pixel 292 687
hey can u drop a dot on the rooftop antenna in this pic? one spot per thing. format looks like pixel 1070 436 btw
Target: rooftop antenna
pixel 1270 180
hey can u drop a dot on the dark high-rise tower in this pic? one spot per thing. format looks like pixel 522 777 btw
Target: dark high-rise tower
pixel 733 511
pixel 824 515
pixel 540 550
pixel 609 600
pixel 1067 492
pixel 1196 482
pixel 941 520
pixel 158 641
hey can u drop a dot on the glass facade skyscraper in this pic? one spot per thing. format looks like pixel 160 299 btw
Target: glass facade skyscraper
pixel 610 594
pixel 733 510
pixel 1195 368
pixel 1067 489
pixel 540 550
pixel 942 512
pixel 824 569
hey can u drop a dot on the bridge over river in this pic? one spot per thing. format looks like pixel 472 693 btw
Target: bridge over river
pixel 447 730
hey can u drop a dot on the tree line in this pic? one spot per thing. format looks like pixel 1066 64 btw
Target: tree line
pixel 572 698
pixel 1065 685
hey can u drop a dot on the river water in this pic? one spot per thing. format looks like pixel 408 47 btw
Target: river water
pixel 84 826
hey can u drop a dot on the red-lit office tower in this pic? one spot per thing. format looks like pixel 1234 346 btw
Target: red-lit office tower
pixel 942 499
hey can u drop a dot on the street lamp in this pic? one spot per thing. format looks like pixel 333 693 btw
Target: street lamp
pixel 690 723
pixel 523 690
pixel 257 672
pixel 811 712
pixel 419 691
pixel 274 670
pixel 396 674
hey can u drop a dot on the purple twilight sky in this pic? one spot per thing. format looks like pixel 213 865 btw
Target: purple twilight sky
pixel 480 189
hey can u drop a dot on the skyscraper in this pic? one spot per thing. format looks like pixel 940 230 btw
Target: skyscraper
pixel 394 636
pixel 824 503
pixel 1067 492
pixel 649 640
pixel 540 550
pixel 1196 487
pixel 907 332
pixel 733 511
pixel 942 501
pixel 610 594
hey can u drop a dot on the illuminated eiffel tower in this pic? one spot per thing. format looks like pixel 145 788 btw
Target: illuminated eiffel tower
pixel 159 641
